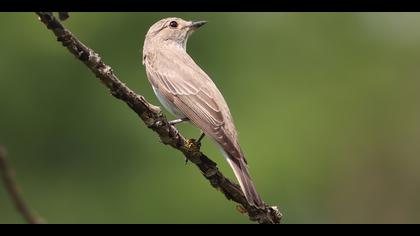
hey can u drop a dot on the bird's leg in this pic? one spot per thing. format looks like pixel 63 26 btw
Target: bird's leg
pixel 177 121
pixel 200 138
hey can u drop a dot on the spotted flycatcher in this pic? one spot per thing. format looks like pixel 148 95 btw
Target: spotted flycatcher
pixel 187 92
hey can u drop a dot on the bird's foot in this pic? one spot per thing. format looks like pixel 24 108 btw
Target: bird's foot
pixel 194 144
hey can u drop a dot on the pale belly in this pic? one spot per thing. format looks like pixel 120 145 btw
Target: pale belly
pixel 168 105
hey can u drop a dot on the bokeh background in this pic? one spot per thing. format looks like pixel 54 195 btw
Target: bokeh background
pixel 326 104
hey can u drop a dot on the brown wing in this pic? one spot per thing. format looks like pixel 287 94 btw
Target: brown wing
pixel 190 89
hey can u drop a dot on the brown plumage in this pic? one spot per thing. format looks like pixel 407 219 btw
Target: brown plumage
pixel 188 92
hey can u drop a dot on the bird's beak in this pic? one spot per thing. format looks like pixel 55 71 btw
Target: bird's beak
pixel 197 24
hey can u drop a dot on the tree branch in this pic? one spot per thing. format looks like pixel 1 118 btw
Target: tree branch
pixel 155 120
pixel 12 188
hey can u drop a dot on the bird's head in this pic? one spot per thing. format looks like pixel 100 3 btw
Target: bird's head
pixel 173 30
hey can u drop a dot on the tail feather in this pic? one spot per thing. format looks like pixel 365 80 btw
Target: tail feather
pixel 242 174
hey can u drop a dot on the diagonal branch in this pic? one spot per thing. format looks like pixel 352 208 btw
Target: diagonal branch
pixel 12 188
pixel 155 120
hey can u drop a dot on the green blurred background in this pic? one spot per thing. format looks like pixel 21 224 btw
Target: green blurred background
pixel 326 104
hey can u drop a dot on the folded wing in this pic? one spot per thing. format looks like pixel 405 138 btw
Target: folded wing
pixel 182 82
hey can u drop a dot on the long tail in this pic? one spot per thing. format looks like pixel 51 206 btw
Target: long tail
pixel 242 174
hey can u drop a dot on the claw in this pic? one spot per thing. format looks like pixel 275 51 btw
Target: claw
pixel 194 144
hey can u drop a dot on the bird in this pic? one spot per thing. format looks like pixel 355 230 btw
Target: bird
pixel 189 94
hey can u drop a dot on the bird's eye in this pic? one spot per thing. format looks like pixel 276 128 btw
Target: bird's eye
pixel 173 24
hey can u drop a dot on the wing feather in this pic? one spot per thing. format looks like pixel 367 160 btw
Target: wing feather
pixel 190 89
pixel 182 82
